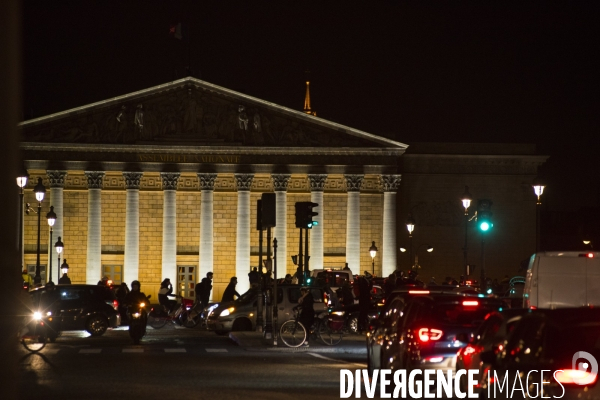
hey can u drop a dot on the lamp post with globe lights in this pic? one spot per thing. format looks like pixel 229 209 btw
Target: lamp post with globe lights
pixel 410 226
pixel 373 253
pixel 21 182
pixel 39 191
pixel 538 188
pixel 59 248
pixel 51 217
pixel 466 202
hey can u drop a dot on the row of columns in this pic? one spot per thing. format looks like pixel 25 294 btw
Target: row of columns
pixel 243 183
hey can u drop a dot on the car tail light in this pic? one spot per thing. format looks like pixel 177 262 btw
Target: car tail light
pixel 470 303
pixel 426 334
pixel 575 376
pixel 114 304
pixel 533 307
pixel 418 292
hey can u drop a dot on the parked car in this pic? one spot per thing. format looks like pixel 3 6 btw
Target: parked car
pixel 433 328
pixel 562 279
pixel 93 308
pixel 540 345
pixel 240 315
pixel 491 335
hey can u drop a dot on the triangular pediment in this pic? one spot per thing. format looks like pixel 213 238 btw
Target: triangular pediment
pixel 193 112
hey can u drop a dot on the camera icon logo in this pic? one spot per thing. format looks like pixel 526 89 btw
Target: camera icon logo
pixel 585 379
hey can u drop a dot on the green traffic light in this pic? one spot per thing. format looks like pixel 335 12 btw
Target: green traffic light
pixel 484 226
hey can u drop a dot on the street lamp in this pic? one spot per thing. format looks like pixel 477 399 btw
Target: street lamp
pixel 466 201
pixel 373 253
pixel 51 217
pixel 538 188
pixel 39 191
pixel 22 182
pixel 429 250
pixel 59 248
pixel 64 268
pixel 410 226
pixel 588 243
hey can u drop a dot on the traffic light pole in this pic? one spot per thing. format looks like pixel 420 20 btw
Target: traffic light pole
pixel 261 296
pixel 273 297
pixel 274 308
pixel 306 270
pixel 483 285
pixel 301 278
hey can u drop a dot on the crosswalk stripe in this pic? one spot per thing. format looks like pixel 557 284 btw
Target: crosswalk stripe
pixel 175 350
pixel 216 350
pixel 133 350
pixel 90 351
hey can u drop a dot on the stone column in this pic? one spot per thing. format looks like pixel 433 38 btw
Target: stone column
pixel 242 247
pixel 94 234
pixel 280 185
pixel 132 226
pixel 317 186
pixel 57 184
pixel 169 243
pixel 353 245
pixel 207 187
pixel 389 184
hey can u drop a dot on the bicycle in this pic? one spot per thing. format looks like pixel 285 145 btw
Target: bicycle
pixel 294 334
pixel 158 317
pixel 33 335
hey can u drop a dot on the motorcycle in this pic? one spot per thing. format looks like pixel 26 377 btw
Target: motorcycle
pixel 138 318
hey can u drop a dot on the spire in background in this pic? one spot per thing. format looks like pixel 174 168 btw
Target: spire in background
pixel 307 108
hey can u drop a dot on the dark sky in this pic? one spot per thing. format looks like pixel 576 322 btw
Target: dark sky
pixel 492 71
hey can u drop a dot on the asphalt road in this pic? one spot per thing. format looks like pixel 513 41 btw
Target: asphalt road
pixel 182 364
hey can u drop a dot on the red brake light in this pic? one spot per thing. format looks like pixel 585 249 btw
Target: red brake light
pixel 470 303
pixel 115 305
pixel 590 255
pixel 575 376
pixel 426 334
pixel 418 292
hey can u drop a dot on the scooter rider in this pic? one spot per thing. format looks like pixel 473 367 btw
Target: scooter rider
pixel 135 296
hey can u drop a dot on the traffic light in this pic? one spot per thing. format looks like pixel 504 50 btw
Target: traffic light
pixel 484 215
pixel 305 214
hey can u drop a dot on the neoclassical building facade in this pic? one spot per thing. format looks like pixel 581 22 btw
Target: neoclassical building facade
pixel 164 182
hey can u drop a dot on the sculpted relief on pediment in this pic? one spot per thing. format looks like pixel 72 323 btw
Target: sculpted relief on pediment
pixel 187 116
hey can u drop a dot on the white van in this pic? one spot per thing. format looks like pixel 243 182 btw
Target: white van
pixel 559 279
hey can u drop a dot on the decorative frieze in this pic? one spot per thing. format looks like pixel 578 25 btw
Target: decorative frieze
pixel 207 181
pixel 317 182
pixel 390 183
pixel 280 182
pixel 243 182
pixel 94 179
pixel 132 179
pixel 56 178
pixel 169 180
pixel 353 182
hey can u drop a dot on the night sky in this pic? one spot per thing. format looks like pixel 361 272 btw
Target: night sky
pixel 492 71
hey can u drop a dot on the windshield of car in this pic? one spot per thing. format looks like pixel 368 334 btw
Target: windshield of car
pixel 250 295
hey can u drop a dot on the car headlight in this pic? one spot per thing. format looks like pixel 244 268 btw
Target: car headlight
pixel 37 315
pixel 338 313
pixel 227 311
pixel 136 315
pixel 142 304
